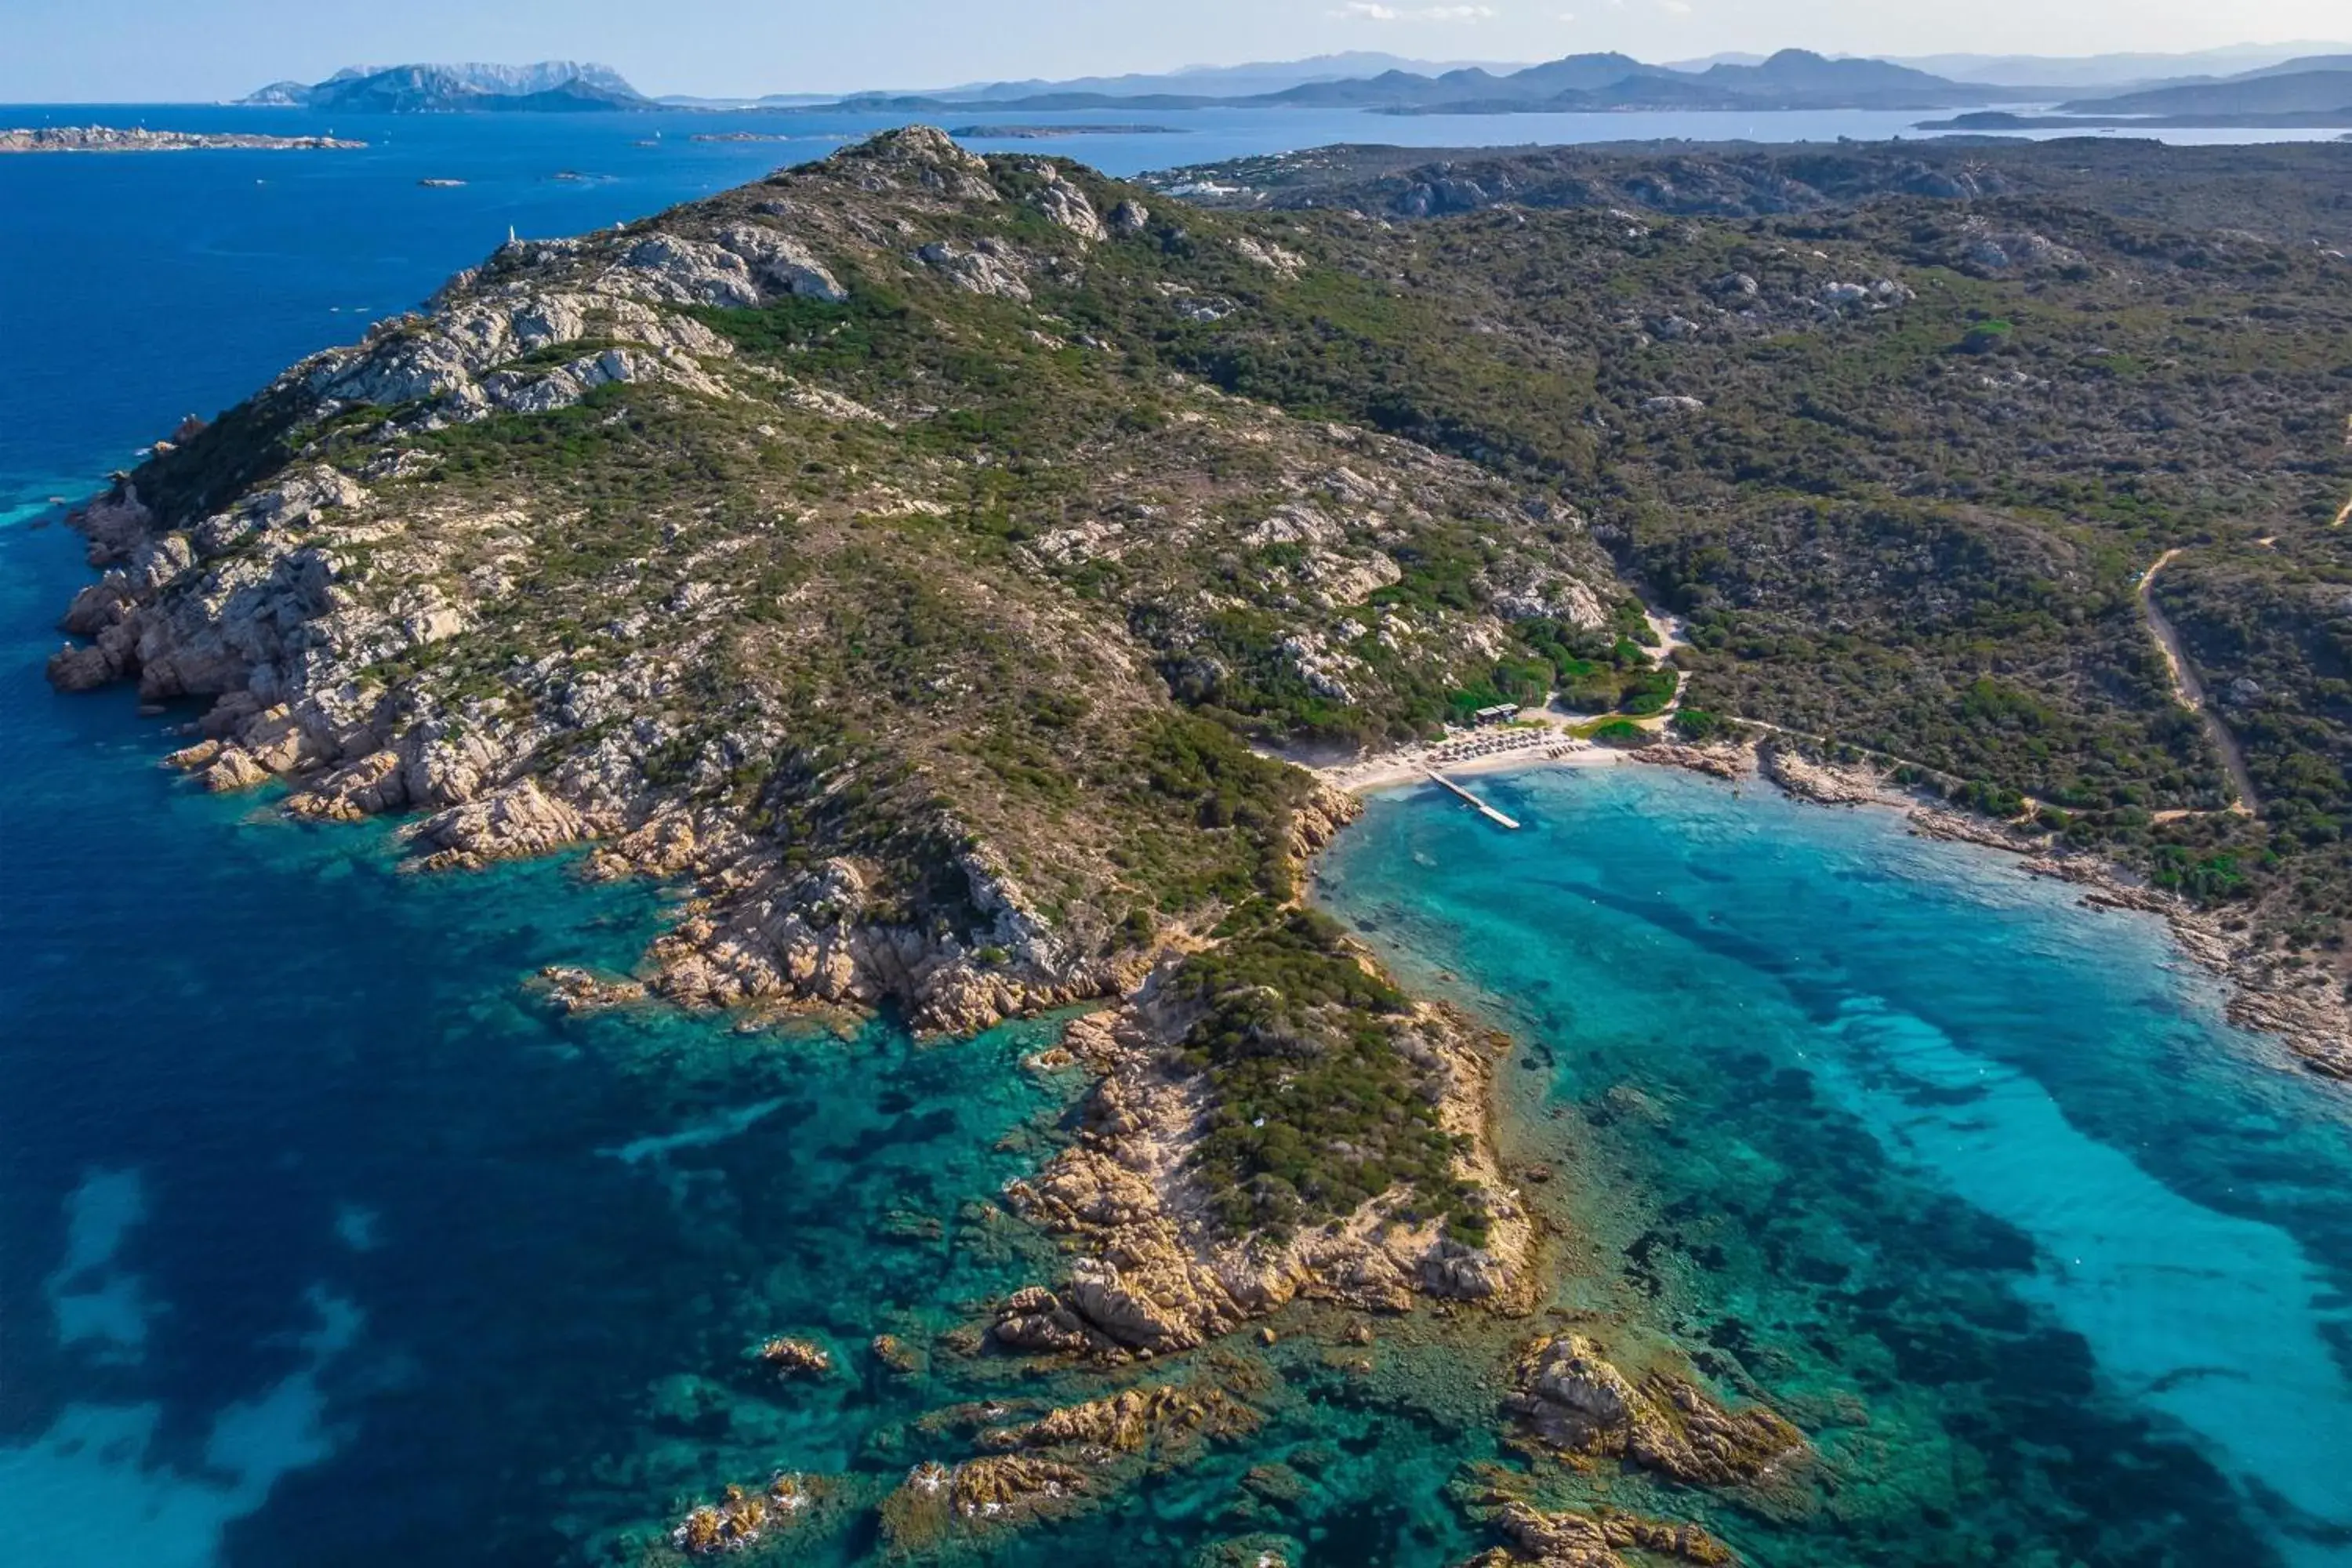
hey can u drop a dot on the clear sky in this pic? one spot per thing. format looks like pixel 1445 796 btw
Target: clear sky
pixel 159 50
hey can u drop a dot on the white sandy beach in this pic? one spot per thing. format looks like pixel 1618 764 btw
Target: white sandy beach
pixel 1474 751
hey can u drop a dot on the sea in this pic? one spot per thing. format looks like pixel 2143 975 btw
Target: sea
pixel 324 1241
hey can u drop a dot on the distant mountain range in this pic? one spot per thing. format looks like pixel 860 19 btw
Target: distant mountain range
pixel 2316 85
pixel 2118 71
pixel 2319 84
pixel 1255 78
pixel 1792 78
pixel 2313 92
pixel 548 86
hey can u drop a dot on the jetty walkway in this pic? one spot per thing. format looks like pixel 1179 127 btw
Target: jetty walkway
pixel 1488 811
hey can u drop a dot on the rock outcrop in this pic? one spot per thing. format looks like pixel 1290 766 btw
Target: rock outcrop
pixel 795 1358
pixel 1065 1461
pixel 987 266
pixel 1065 205
pixel 745 1517
pixel 1572 1540
pixel 1819 783
pixel 1160 1274
pixel 1573 1399
pixel 1129 1420
pixel 515 821
pixel 938 1504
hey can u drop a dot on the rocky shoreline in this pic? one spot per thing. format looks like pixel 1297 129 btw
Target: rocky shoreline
pixel 1153 1274
pixel 109 139
pixel 1157 1275
pixel 272 624
pixel 2265 994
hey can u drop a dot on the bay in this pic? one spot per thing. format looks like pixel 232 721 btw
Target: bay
pixel 1882 1120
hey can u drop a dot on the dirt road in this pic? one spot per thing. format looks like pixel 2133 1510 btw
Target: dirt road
pixel 2190 694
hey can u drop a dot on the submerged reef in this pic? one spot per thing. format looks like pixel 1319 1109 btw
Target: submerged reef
pixel 1569 1540
pixel 1065 1461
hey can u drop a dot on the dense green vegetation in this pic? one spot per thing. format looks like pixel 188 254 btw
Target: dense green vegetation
pixel 1910 518
pixel 1316 1109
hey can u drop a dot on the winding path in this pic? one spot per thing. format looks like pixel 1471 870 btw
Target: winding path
pixel 2191 695
pixel 2346 515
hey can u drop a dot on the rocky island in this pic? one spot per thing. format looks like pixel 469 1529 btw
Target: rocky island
pixel 930 562
pixel 109 139
pixel 544 86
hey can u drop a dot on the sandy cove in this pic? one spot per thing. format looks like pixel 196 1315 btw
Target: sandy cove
pixel 1537 740
pixel 2265 996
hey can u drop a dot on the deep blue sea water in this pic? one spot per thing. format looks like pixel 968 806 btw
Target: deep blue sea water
pixel 322 1242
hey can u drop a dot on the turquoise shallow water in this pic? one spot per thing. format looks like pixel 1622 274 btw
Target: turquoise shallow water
pixel 1896 1133
pixel 323 1243
pixel 327 1244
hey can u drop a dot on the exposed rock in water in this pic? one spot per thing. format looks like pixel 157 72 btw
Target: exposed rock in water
pixel 1573 1399
pixel 938 1504
pixel 895 1356
pixel 571 989
pixel 1063 1461
pixel 1570 1540
pixel 1132 1420
pixel 745 1517
pixel 795 1358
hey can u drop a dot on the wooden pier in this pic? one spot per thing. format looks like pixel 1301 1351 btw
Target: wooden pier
pixel 1488 811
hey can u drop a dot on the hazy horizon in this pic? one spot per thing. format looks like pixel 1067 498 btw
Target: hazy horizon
pixel 142 51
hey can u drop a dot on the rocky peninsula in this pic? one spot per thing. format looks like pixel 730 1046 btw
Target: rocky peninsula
pixel 915 557
pixel 795 637
pixel 110 139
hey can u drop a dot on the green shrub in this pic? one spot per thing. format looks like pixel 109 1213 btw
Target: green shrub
pixel 1314 1108
pixel 1699 725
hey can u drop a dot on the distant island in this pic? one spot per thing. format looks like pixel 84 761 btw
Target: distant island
pixel 2314 92
pixel 545 87
pixel 2315 84
pixel 2001 119
pixel 113 139
pixel 1047 132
